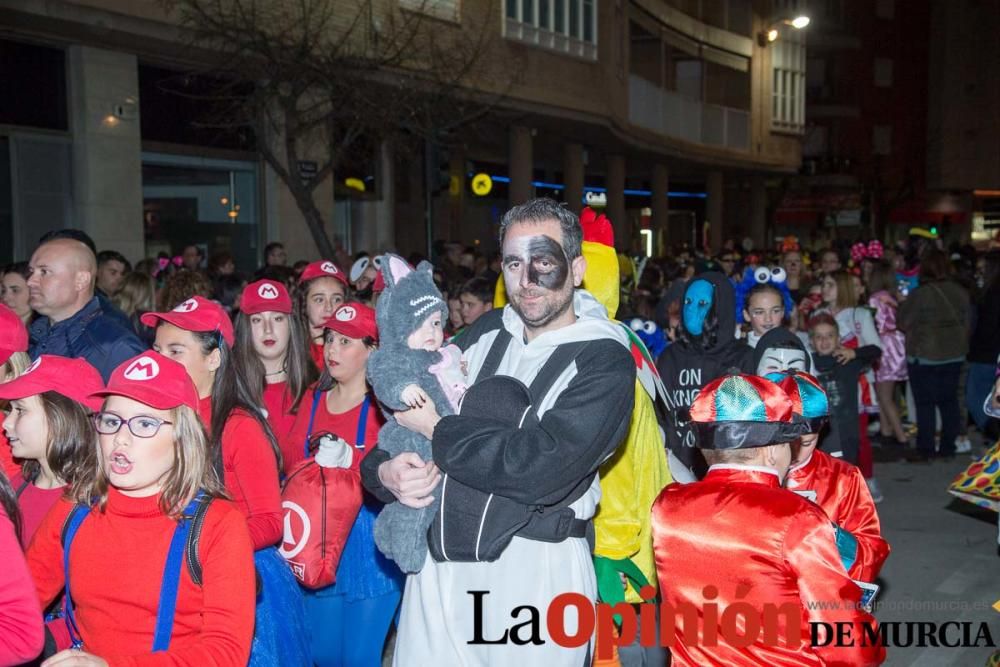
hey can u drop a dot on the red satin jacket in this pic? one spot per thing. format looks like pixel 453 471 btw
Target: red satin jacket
pixel 738 537
pixel 840 490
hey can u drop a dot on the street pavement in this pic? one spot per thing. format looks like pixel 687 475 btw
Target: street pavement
pixel 944 564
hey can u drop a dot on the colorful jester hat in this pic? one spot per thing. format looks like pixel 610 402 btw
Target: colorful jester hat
pixel 743 411
pixel 808 397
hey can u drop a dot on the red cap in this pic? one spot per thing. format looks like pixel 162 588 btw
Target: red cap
pixel 73 378
pixel 153 379
pixel 265 295
pixel 196 314
pixel 354 320
pixel 13 334
pixel 324 268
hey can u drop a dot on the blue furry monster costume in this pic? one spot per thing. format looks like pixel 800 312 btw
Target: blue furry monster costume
pixel 761 275
pixel 410 297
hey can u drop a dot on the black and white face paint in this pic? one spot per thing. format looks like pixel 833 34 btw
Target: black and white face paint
pixel 540 260
pixel 537 275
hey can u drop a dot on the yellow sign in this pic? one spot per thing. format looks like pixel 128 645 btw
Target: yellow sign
pixel 482 184
pixel 355 183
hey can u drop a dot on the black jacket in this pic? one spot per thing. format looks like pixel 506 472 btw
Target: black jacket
pixel 692 362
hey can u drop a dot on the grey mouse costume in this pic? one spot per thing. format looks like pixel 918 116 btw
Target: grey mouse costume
pixel 410 296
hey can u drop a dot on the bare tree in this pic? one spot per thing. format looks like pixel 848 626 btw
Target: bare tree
pixel 316 79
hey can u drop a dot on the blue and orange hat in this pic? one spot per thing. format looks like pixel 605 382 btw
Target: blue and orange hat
pixel 743 411
pixel 808 397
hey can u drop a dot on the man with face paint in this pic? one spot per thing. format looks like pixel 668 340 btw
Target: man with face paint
pixel 706 348
pixel 582 418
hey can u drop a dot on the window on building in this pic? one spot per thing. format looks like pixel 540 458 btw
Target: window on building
pixel 569 26
pixel 788 86
pixel 883 72
pixel 34 84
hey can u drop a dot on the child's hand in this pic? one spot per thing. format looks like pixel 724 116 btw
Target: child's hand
pixel 413 396
pixel 844 355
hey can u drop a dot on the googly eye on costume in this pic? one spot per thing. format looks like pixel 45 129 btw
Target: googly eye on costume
pixel 635 324
pixel 762 274
pixel 649 327
pixel 778 275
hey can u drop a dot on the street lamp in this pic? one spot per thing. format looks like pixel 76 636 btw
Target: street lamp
pixel 765 37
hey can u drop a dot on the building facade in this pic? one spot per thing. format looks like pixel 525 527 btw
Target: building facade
pixel 679 112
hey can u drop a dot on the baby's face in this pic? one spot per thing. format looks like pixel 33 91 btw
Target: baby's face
pixel 429 335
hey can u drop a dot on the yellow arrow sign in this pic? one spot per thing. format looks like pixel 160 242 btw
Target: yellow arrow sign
pixel 482 184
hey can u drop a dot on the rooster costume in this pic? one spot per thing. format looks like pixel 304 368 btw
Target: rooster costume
pixel 738 537
pixel 833 484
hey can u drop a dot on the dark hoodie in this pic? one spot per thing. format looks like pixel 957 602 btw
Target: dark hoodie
pixel 694 361
pixel 783 338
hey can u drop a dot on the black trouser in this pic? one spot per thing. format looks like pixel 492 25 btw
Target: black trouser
pixel 936 387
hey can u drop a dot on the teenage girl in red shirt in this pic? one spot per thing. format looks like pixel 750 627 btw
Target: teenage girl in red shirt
pixel 322 287
pixel 49 429
pixel 350 619
pixel 146 474
pixel 199 335
pixel 273 351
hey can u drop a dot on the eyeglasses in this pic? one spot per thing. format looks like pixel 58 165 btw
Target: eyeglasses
pixel 141 426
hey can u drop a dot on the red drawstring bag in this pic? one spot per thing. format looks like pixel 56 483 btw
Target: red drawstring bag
pixel 320 506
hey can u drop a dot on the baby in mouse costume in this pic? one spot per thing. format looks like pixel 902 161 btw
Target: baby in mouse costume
pixel 410 367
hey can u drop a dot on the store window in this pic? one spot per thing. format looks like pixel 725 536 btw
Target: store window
pixel 212 203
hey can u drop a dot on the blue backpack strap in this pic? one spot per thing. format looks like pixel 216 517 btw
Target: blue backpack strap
pixel 359 440
pixel 317 395
pixel 70 528
pixel 172 576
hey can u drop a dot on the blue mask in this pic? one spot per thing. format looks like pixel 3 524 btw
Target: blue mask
pixel 697 302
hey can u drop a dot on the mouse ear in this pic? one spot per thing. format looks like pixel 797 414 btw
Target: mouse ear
pixel 396 268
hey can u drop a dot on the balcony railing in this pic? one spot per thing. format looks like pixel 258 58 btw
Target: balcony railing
pixel 681 117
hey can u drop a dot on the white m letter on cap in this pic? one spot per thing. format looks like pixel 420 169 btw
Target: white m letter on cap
pixel 143 368
pixel 266 291
pixel 187 306
pixel 346 314
pixel 329 267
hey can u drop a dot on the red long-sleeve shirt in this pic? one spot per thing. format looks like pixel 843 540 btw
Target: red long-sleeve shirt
pixel 841 492
pixel 278 403
pixel 251 474
pixel 343 424
pixel 21 631
pixel 116 563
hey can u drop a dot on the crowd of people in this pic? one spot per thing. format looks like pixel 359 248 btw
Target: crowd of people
pixel 609 431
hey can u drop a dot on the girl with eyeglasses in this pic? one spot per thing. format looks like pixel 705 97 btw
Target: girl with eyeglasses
pixel 121 546
pixel 198 334
pixel 272 349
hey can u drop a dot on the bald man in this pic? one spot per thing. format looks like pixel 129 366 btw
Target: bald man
pixel 72 322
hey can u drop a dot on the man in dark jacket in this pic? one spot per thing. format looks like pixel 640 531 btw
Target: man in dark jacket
pixel 706 348
pixel 72 322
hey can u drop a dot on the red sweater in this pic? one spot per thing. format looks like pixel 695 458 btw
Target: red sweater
pixel 343 424
pixel 35 503
pixel 278 403
pixel 251 474
pixel 116 603
pixel 21 630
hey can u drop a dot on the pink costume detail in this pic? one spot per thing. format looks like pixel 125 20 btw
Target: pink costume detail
pixel 449 374
pixel 892 365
